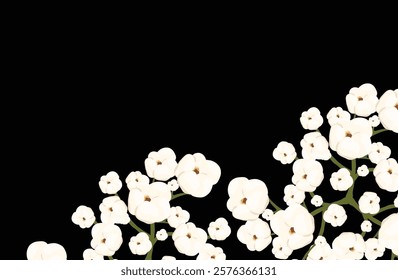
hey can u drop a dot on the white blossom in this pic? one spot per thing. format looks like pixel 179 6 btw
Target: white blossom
pixel 387 110
pixel 210 252
pixel 320 241
pixel 219 229
pixel 386 174
pixel 379 152
pixel 255 234
pixel 388 236
pixel 178 216
pixel 337 115
pixel 374 121
pixel 267 214
pixel 369 203
pixel 363 170
pixel 280 249
pixel 173 185
pixel 106 238
pixel 110 183
pixel 374 249
pixel 349 246
pixel 311 119
pixel 161 235
pixel 83 216
pixel 315 146
pixel 335 215
pixel 41 250
pixel 196 175
pixel 168 258
pixel 136 179
pixel 361 101
pixel 189 239
pixel 366 226
pixel 293 195
pixel 247 198
pixel 317 200
pixel 140 244
pixel 114 210
pixel 284 152
pixel 307 174
pixel 351 139
pixel 321 251
pixel 91 254
pixel 341 180
pixel 160 165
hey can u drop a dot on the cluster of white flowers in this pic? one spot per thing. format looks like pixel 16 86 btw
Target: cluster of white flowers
pixel 264 224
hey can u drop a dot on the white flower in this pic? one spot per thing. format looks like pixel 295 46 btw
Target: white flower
pixel 349 246
pixel 106 238
pixel 295 225
pixel 136 179
pixel 168 258
pixel 178 216
pixel 362 100
pixel 317 200
pixel 140 244
pixel 91 254
pixel 189 239
pixel 284 152
pixel 374 121
pixel 280 249
pixel 219 229
pixel 150 204
pixel 320 241
pixel 374 249
pixel 161 235
pixel 307 174
pixel 386 174
pixel 369 203
pixel 387 110
pixel 366 226
pixel 160 165
pixel 114 210
pixel 83 216
pixel 363 170
pixel 196 175
pixel 173 185
pixel 41 250
pixel 311 119
pixel 379 152
pixel 335 215
pixel 337 115
pixel 321 251
pixel 267 214
pixel 110 183
pixel 293 195
pixel 210 252
pixel 341 180
pixel 247 198
pixel 351 139
pixel 315 146
pixel 396 201
pixel 256 235
pixel 388 236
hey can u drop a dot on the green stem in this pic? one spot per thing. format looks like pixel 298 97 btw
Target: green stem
pixel 110 258
pixel 177 195
pixel 322 229
pixel 385 208
pixel 309 250
pixel 153 240
pixel 137 228
pixel 336 162
pixel 392 256
pixel 378 131
pixel 277 208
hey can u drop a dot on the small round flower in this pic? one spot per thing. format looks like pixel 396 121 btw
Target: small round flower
pixel 361 101
pixel 374 249
pixel 335 215
pixel 366 226
pixel 386 174
pixel 307 174
pixel 341 180
pixel 396 201
pixel 219 229
pixel 363 170
pixel 136 179
pixel 293 195
pixel 387 110
pixel 173 185
pixel 267 214
pixel 321 250
pixel 374 121
pixel 140 244
pixel 349 246
pixel 196 175
pixel 160 165
pixel 388 236
pixel 320 241
pixel 106 238
pixel 114 210
pixel 256 235
pixel 83 216
pixel 315 146
pixel 178 216
pixel 369 203
pixel 379 152
pixel 284 152
pixel 247 198
pixel 41 250
pixel 280 249
pixel 161 235
pixel 168 258
pixel 210 252
pixel 337 115
pixel 317 200
pixel 110 183
pixel 90 254
pixel 311 119
pixel 189 239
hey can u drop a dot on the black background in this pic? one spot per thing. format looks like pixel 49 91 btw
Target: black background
pixel 82 105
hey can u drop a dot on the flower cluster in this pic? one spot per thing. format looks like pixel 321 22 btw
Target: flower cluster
pixel 348 138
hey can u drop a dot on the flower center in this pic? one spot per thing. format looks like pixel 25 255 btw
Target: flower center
pixel 396 106
pixel 305 176
pixel 291 230
pixel 312 145
pixel 348 134
pixel 158 162
pixel 103 240
pixel 360 98
pixel 213 257
pixel 147 198
pixel 110 209
pixel 255 237
pixel 196 170
pixel 243 200
pixel 352 249
pixel 389 171
pixel 189 235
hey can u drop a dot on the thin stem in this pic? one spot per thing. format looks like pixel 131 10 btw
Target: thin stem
pixel 137 228
pixel 385 208
pixel 392 256
pixel 378 131
pixel 336 162
pixel 277 208
pixel 110 258
pixel 177 195
pixel 309 250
